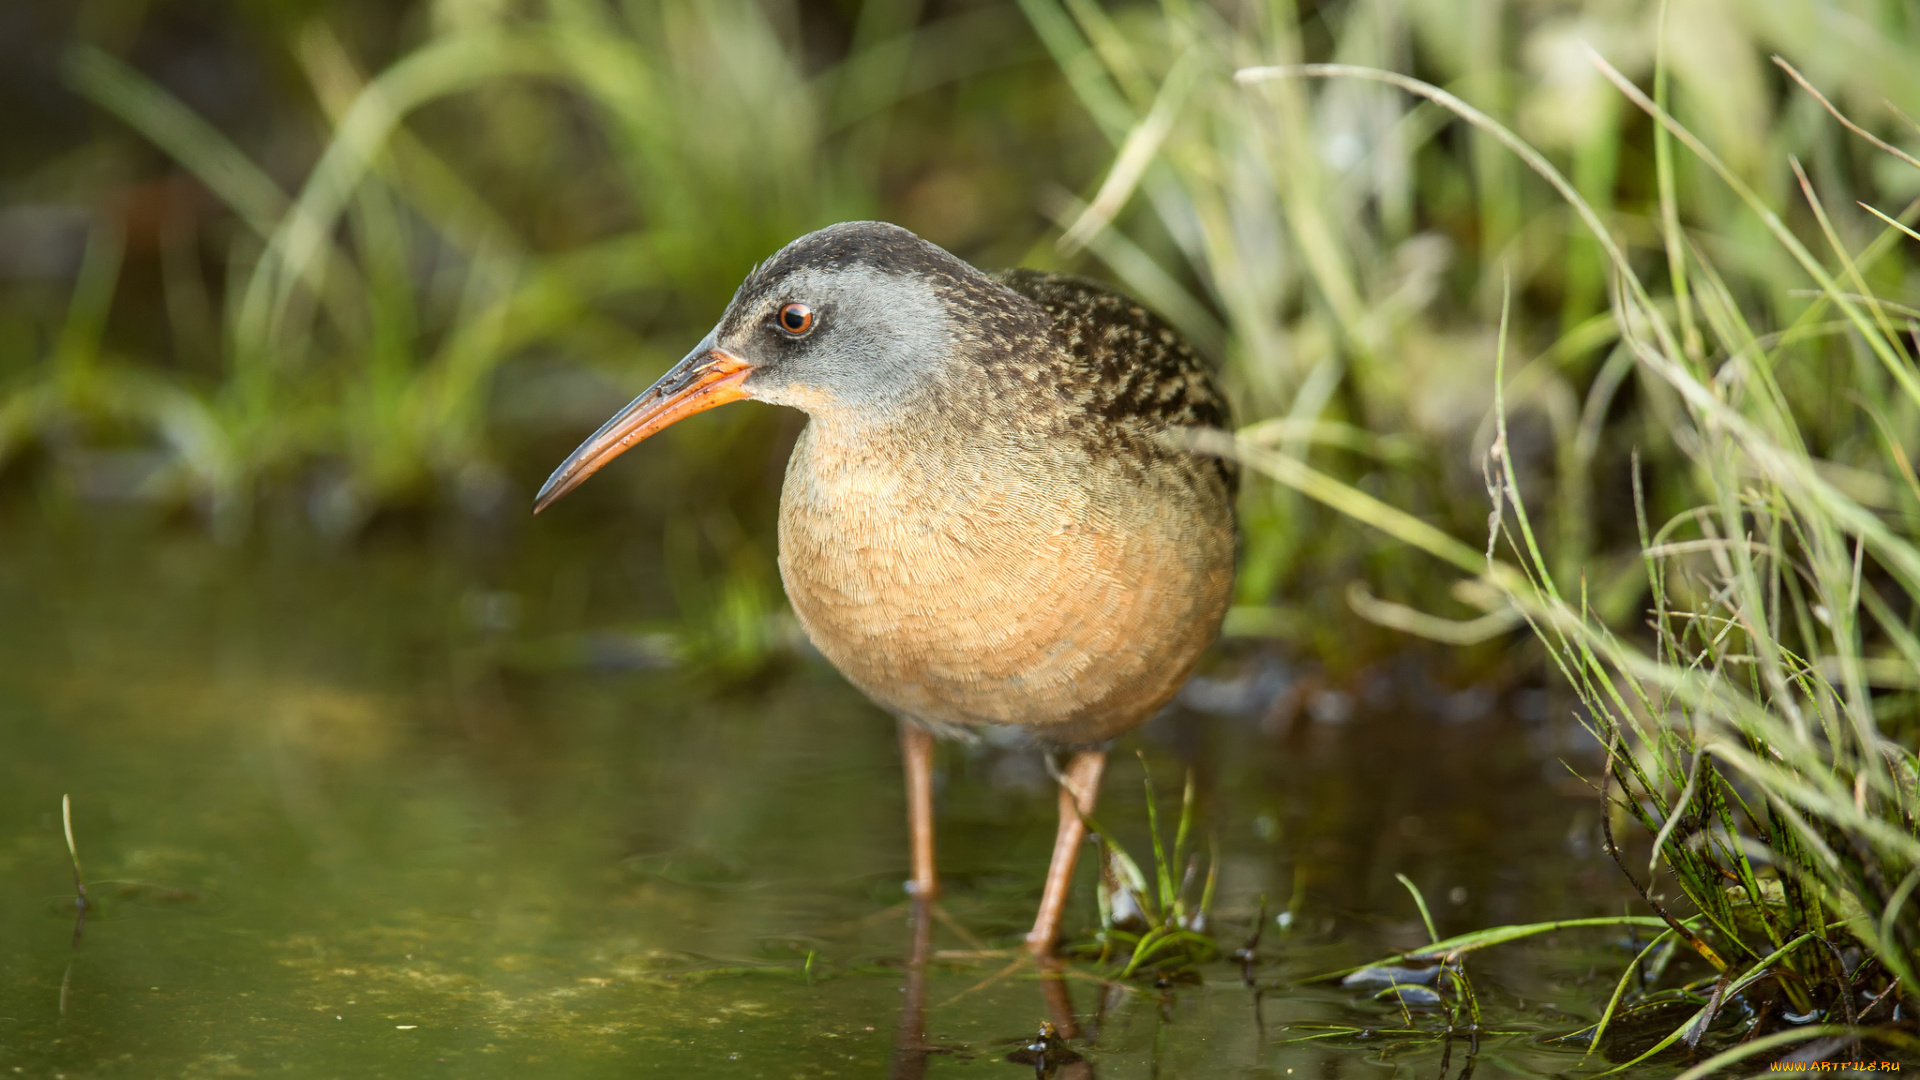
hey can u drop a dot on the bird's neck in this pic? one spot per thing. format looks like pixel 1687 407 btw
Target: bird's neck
pixel 849 460
pixel 974 419
pixel 838 440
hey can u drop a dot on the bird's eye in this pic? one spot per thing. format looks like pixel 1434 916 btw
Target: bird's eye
pixel 796 319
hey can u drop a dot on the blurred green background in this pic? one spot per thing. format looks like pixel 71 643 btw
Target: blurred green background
pixel 300 301
pixel 342 266
pixel 337 261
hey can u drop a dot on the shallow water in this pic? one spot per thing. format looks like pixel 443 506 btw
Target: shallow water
pixel 369 813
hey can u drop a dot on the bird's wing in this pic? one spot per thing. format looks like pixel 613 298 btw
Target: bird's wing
pixel 1131 368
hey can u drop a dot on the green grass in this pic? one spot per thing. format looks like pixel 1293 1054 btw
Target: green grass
pixel 1745 649
pixel 575 180
pixel 1154 926
pixel 1652 306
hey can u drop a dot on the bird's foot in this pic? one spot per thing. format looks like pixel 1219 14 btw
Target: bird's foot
pixel 1043 945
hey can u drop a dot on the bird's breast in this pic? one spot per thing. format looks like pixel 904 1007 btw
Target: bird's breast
pixel 1000 588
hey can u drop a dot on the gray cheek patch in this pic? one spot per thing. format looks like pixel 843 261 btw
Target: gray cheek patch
pixel 882 338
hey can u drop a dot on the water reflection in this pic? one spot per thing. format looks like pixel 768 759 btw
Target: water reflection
pixel 910 1049
pixel 1049 1054
pixel 325 800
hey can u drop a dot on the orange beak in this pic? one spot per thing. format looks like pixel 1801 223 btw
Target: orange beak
pixel 709 376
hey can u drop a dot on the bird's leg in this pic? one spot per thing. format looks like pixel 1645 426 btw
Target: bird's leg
pixel 916 750
pixel 1079 787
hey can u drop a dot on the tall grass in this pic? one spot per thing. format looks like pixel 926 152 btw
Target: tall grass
pixel 1738 619
pixel 566 179
pixel 1612 276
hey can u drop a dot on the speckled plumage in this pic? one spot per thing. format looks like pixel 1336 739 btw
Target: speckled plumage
pixel 985 523
pixel 1130 376
pixel 1014 544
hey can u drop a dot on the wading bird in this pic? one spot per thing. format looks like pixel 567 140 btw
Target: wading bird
pixel 989 520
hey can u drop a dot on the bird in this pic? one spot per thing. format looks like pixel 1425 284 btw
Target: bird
pixel 990 522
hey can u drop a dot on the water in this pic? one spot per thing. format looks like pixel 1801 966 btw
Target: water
pixel 365 813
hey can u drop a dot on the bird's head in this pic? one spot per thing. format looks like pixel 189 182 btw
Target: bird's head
pixel 858 322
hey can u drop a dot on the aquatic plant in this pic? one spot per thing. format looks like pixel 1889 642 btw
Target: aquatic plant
pixel 1153 926
pixel 1432 980
pixel 1746 654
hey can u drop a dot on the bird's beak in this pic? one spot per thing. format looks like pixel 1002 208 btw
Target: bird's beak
pixel 709 376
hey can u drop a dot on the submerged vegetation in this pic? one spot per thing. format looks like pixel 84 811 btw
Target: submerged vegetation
pixel 1607 273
